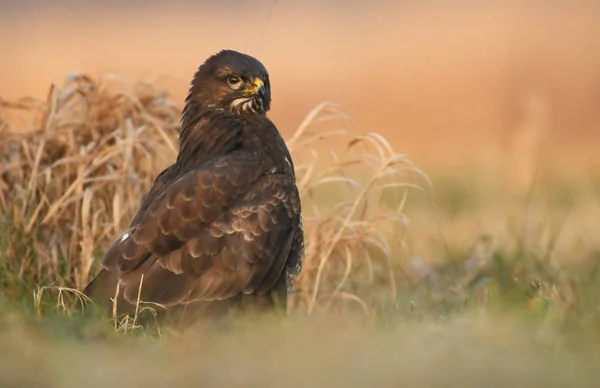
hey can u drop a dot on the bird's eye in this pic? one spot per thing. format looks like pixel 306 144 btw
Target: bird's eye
pixel 234 81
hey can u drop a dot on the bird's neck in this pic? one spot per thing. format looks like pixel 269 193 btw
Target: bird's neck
pixel 192 112
pixel 206 132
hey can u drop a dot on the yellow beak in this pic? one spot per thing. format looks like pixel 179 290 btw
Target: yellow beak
pixel 258 85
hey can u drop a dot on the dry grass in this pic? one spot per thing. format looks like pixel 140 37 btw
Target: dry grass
pixel 76 165
pixel 74 171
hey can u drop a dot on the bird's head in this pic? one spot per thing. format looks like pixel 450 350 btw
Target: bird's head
pixel 232 81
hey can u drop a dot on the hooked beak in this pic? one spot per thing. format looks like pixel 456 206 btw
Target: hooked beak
pixel 258 87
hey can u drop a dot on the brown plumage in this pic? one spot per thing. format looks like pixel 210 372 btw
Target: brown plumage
pixel 224 220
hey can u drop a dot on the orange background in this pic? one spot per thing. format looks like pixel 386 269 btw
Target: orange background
pixel 446 81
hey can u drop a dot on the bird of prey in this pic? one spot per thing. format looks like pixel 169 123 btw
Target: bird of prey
pixel 223 222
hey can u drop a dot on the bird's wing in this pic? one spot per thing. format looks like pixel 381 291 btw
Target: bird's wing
pixel 244 250
pixel 217 231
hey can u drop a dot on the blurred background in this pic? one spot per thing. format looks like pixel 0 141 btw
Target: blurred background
pixel 453 84
pixel 486 97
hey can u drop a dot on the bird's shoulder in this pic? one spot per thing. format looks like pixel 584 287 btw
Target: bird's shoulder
pixel 262 135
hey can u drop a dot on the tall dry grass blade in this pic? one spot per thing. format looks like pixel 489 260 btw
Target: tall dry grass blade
pixel 368 164
pixel 87 239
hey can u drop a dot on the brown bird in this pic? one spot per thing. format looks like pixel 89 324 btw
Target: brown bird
pixel 223 222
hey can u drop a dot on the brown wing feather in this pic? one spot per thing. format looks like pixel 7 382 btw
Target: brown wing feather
pixel 243 250
pixel 183 210
pixel 201 241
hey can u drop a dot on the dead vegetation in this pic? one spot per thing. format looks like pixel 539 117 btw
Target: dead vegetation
pixel 73 170
pixel 76 165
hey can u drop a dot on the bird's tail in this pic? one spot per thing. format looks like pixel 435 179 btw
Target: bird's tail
pixel 102 288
